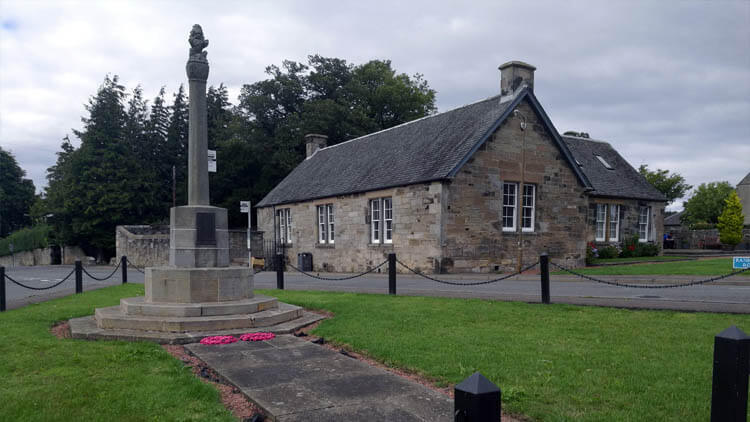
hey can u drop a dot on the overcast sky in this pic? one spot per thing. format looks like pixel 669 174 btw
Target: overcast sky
pixel 667 83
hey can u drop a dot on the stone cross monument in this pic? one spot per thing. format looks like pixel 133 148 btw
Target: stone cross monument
pixel 198 292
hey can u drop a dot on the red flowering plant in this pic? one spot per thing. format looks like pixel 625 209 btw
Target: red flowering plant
pixel 257 336
pixel 218 340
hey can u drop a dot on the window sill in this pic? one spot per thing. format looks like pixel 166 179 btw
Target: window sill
pixel 380 245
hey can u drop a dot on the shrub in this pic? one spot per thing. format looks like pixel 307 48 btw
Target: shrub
pixel 648 249
pixel 731 220
pixel 702 225
pixel 591 253
pixel 630 247
pixel 26 239
pixel 608 252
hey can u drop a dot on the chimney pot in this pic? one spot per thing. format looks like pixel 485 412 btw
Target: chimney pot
pixel 314 142
pixel 515 74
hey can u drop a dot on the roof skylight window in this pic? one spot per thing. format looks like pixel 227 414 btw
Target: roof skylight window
pixel 605 163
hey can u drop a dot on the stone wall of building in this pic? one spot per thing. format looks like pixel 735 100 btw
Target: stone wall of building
pixel 474 237
pixel 416 230
pixel 629 220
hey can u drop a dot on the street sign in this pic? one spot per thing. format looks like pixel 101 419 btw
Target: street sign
pixel 740 262
pixel 244 206
pixel 211 161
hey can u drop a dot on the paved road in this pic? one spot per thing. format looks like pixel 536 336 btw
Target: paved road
pixel 732 295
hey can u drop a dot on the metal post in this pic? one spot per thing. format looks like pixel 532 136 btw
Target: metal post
pixel 476 399
pixel 730 382
pixel 391 273
pixel 2 289
pixel 124 266
pixel 79 276
pixel 544 274
pixel 279 271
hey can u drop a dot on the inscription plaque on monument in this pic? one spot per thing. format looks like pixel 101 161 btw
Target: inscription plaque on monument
pixel 205 229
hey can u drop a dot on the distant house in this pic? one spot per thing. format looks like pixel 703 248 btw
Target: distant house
pixel 457 191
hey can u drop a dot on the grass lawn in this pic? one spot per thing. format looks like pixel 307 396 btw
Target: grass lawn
pixel 46 378
pixel 638 259
pixel 553 362
pixel 714 266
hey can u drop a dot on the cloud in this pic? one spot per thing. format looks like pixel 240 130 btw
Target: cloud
pixel 668 84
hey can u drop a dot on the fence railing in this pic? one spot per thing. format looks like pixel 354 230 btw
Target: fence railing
pixel 280 263
pixel 78 271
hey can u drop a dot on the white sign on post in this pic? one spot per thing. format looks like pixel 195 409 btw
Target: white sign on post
pixel 245 208
pixel 212 161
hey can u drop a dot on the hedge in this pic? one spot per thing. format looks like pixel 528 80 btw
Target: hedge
pixel 26 239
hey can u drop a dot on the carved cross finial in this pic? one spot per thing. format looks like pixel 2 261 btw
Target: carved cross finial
pixel 197 44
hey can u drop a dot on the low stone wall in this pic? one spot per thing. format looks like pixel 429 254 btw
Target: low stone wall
pixel 28 258
pixel 145 246
pixel 44 256
pixel 704 239
pixel 148 246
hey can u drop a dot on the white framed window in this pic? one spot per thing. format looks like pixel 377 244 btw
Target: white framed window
pixel 331 231
pixel 509 207
pixel 527 208
pixel 614 223
pixel 375 226
pixel 643 224
pixel 601 221
pixel 322 224
pixel 388 220
pixel 381 220
pixel 284 225
pixel 325 223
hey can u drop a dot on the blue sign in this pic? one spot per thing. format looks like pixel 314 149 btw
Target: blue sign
pixel 740 262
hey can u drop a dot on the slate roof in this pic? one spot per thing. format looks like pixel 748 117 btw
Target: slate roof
pixel 435 147
pixel 419 151
pixel 674 219
pixel 745 181
pixel 623 181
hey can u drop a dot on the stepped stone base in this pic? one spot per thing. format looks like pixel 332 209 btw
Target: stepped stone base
pixel 85 328
pixel 114 318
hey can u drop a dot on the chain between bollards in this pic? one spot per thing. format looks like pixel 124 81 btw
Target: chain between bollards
pixel 2 289
pixel 544 276
pixel 79 276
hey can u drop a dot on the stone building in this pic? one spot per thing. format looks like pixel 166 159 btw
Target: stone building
pixel 743 191
pixel 444 192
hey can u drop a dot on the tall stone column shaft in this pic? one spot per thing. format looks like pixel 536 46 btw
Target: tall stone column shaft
pixel 198 143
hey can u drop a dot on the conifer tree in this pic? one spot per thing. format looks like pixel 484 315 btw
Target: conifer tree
pixel 177 147
pixel 731 221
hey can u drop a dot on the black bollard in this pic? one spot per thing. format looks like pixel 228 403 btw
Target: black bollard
pixel 79 276
pixel 476 399
pixel 544 275
pixel 2 289
pixel 124 266
pixel 731 366
pixel 391 273
pixel 279 271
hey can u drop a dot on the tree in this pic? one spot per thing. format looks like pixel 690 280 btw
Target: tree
pixel 673 186
pixel 16 195
pixel 176 149
pixel 731 220
pixel 707 203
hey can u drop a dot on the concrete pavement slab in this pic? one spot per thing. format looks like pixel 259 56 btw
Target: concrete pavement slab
pixel 295 380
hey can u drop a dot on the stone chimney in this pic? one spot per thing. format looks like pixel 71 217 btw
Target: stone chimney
pixel 314 142
pixel 514 75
